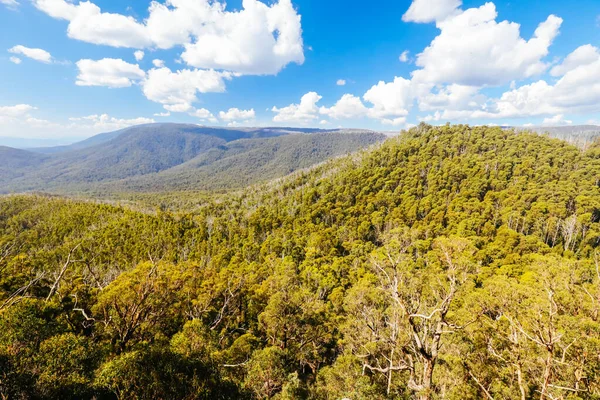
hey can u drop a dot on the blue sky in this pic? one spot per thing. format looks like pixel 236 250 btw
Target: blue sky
pixel 69 69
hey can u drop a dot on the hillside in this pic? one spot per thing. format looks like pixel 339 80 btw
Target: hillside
pixel 247 161
pixel 17 162
pixel 147 150
pixel 451 262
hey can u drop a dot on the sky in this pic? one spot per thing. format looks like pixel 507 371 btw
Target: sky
pixel 71 69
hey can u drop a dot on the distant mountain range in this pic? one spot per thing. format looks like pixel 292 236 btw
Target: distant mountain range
pixel 168 157
pixel 578 134
pixel 175 157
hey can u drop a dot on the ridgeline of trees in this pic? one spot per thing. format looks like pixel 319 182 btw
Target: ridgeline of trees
pixel 450 263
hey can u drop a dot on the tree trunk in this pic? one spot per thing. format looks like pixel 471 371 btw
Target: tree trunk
pixel 425 392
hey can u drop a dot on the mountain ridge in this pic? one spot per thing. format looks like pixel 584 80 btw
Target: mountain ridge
pixel 153 148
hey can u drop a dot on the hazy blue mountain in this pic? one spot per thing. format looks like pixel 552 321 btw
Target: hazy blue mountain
pixel 201 157
pixel 29 143
pixel 15 163
pixel 577 134
pixel 247 161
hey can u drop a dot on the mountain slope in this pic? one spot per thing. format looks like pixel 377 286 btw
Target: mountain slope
pixel 15 162
pixel 134 152
pixel 247 161
pixel 150 149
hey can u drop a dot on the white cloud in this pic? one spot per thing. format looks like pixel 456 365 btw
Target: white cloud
pixel 582 56
pixel 323 122
pixel 178 108
pixel 258 39
pixel 158 63
pixel 139 55
pixel 578 91
pixel 35 54
pixel 244 41
pixel 179 89
pixel 452 97
pixel 109 72
pixel 15 60
pixel 423 11
pixel 395 121
pixel 205 115
pixel 391 99
pixel 10 3
pixel 235 114
pixel 105 123
pixel 348 106
pixel 404 56
pixel 163 114
pixel 17 121
pixel 474 38
pixel 556 121
pixel 15 111
pixel 301 113
pixel 89 24
pixel 341 82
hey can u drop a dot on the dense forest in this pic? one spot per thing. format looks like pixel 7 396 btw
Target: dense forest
pixel 451 262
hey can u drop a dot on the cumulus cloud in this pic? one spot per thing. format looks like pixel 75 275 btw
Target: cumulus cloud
pixel 447 84
pixel 387 108
pixel 35 54
pixel 473 37
pixel 88 23
pixel 109 72
pixel 158 63
pixel 258 39
pixel 105 123
pixel 12 4
pixel 577 91
pixel 177 90
pixel 556 120
pixel 424 11
pixel 237 115
pixel 163 114
pixel 582 56
pixel 341 82
pixel 139 55
pixel 452 97
pixel 304 112
pixel 391 99
pixel 18 110
pixel 178 108
pixel 15 60
pixel 394 121
pixel 404 56
pixel 204 115
pixel 18 121
pixel 347 107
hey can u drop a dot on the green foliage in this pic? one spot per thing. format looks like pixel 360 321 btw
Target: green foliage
pixel 65 365
pixel 452 262
pixel 161 374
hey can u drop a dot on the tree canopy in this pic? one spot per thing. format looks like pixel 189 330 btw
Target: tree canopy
pixel 452 262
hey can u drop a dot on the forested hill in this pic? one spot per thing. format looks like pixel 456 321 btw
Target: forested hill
pixel 140 153
pixel 449 263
